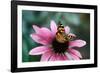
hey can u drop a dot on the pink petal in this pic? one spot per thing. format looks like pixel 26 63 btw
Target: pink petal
pixel 67 29
pixel 77 43
pixel 65 57
pixel 72 34
pixel 36 28
pixel 74 57
pixel 53 27
pixel 68 56
pixel 46 56
pixel 44 33
pixel 53 57
pixel 39 39
pixel 61 57
pixel 39 50
pixel 75 52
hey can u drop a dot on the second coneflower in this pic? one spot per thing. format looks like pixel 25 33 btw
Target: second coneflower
pixel 56 43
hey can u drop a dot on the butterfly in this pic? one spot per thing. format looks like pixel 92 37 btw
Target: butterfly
pixel 61 36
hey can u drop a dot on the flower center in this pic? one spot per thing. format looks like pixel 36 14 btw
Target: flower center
pixel 59 47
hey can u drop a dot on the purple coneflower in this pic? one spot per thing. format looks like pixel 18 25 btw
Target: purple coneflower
pixel 50 49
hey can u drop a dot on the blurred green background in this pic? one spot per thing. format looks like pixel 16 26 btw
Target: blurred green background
pixel 78 22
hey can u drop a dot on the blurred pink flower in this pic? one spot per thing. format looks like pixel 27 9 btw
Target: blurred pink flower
pixel 48 50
